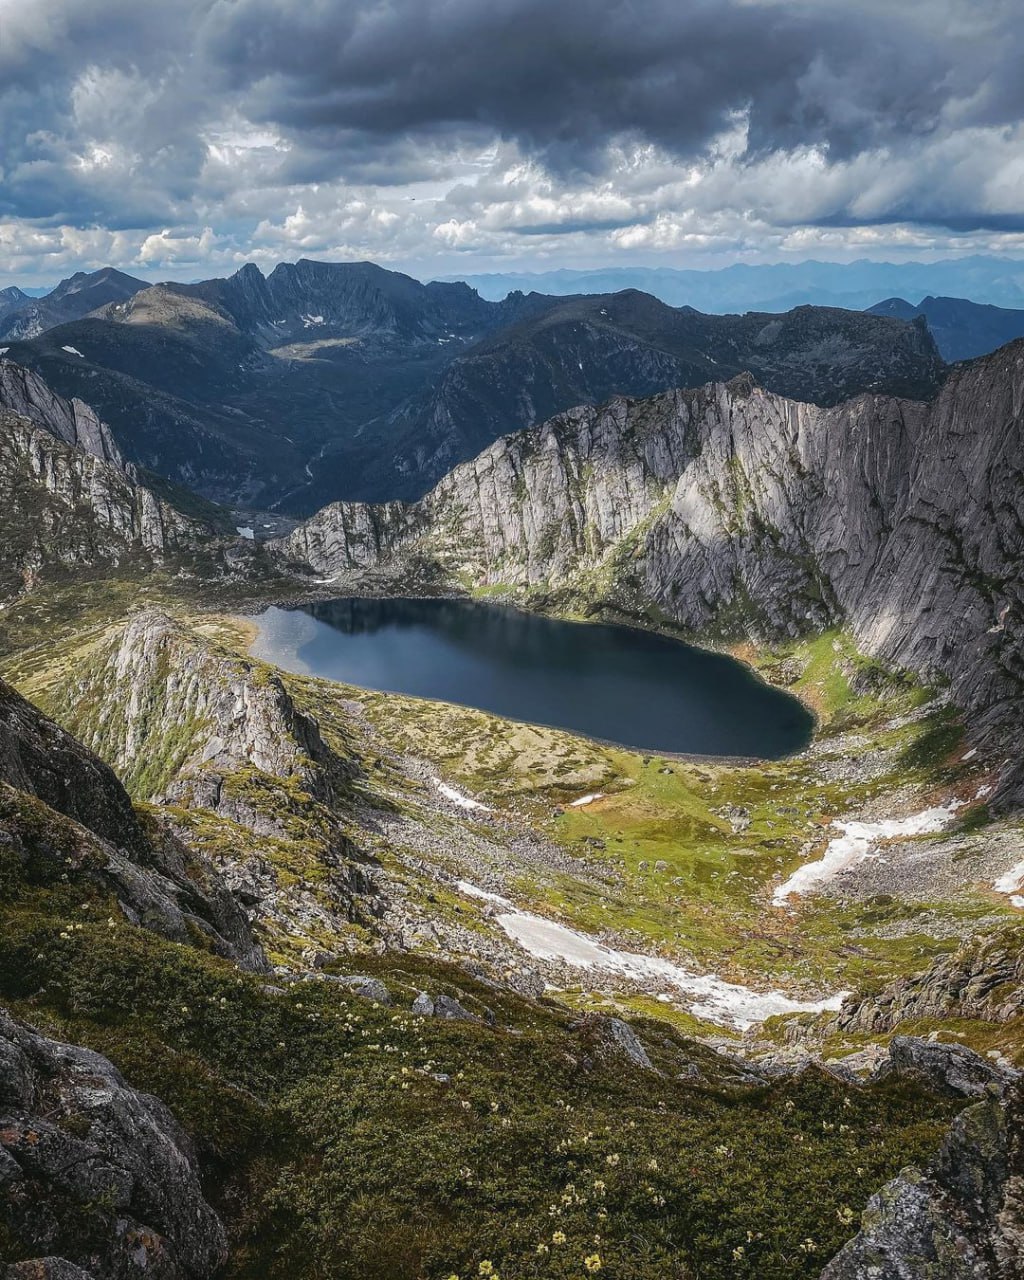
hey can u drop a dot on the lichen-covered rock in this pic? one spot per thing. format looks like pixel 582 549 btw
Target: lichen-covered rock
pixel 946 1068
pixel 963 1219
pixel 983 978
pixel 362 985
pixel 624 1040
pixel 95 1175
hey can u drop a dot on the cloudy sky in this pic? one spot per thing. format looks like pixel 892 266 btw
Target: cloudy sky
pixel 443 136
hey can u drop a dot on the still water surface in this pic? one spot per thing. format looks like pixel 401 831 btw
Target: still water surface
pixel 609 682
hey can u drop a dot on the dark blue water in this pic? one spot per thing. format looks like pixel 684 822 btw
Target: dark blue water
pixel 614 683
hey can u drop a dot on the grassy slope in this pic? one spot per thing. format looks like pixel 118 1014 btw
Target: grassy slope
pixel 342 1139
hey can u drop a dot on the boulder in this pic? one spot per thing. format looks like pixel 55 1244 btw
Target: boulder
pixel 947 1068
pixel 94 1173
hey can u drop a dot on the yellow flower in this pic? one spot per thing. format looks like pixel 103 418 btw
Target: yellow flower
pixel 558 1237
pixel 486 1268
pixel 593 1262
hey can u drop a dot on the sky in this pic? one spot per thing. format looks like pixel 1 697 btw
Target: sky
pixel 182 139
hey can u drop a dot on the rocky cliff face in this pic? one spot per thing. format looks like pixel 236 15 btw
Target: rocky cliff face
pixel 65 509
pixel 93 1174
pixel 165 684
pixel 732 509
pixel 962 1219
pixel 64 816
pixel 237 769
pixel 69 500
pixel 25 394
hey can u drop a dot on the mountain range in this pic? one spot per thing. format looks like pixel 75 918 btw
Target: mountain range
pixel 345 380
pixel 961 329
pixel 782 286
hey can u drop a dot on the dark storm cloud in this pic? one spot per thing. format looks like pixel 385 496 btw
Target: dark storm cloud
pixel 562 78
pixel 380 91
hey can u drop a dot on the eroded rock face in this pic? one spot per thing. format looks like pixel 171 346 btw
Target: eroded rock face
pixel 163 682
pixel 25 394
pixel 209 735
pixel 734 509
pixel 63 813
pixel 95 1177
pixel 963 1219
pixel 983 978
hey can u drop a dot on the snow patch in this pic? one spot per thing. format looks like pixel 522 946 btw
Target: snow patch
pixel 311 322
pixel 1011 883
pixel 857 843
pixel 456 797
pixel 4 350
pixel 73 351
pixel 245 531
pixel 705 995
pixel 578 804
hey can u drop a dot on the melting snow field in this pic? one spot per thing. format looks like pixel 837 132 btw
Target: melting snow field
pixel 1012 883
pixel 245 531
pixel 705 995
pixel 577 804
pixel 73 351
pixel 858 842
pixel 456 797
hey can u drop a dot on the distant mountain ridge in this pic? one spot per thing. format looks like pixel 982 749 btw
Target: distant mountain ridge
pixel 780 286
pixel 22 316
pixel 328 380
pixel 962 329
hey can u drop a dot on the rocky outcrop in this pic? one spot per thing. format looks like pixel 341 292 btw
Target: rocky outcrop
pixel 96 1179
pixel 175 714
pixel 67 500
pixel 26 395
pixel 236 767
pixel 951 1069
pixel 731 509
pixel 64 816
pixel 982 979
pixel 962 1219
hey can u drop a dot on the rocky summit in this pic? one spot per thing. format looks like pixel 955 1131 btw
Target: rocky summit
pixel 306 978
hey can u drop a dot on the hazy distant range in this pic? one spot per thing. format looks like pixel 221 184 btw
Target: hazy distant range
pixel 856 285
